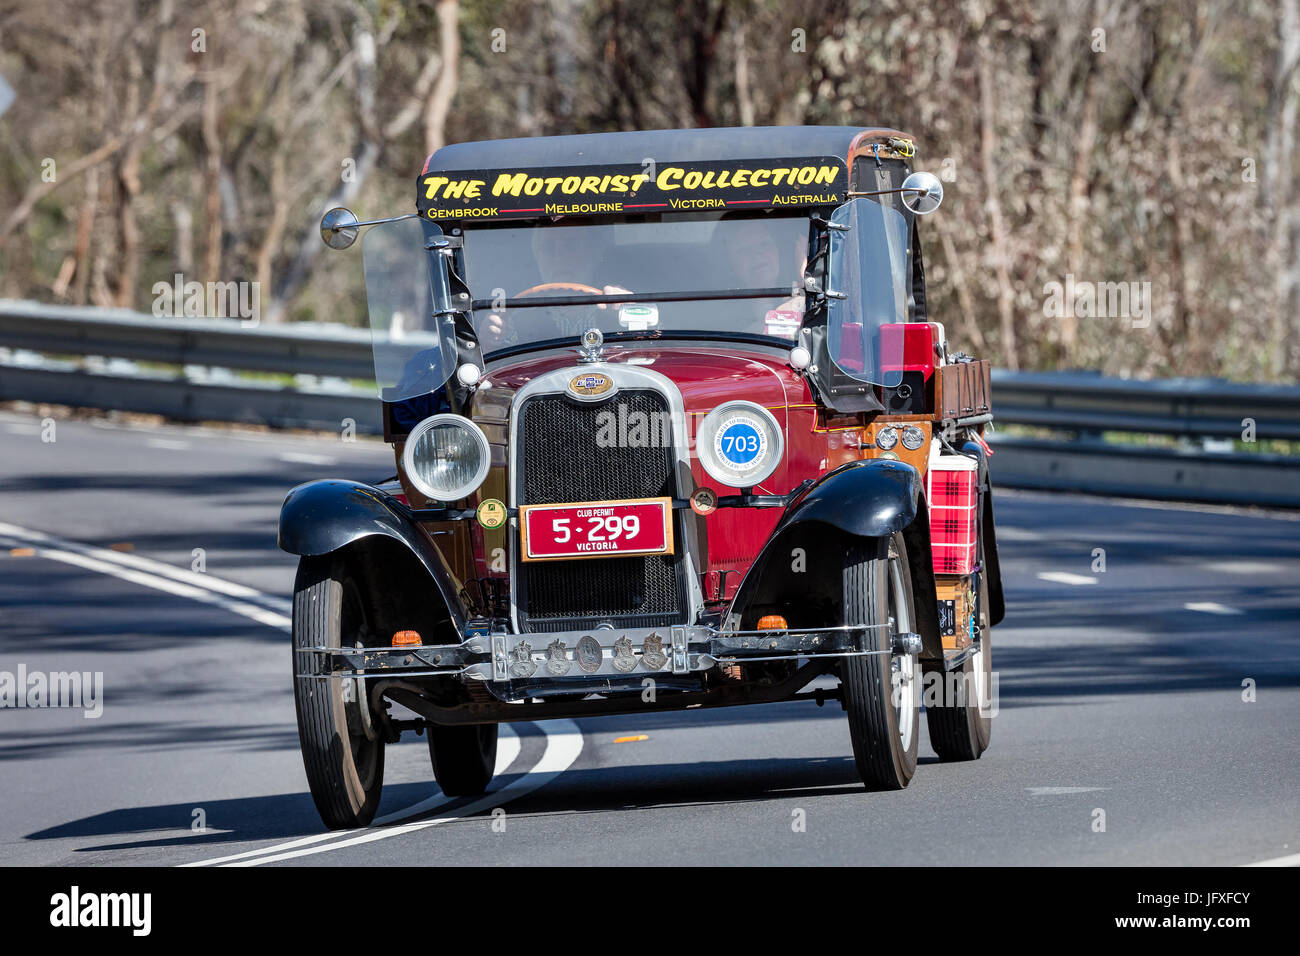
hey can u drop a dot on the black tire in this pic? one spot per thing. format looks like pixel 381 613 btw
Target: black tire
pixel 342 747
pixel 463 758
pixel 958 729
pixel 872 595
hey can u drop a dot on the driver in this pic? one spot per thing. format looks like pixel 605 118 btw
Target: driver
pixel 567 256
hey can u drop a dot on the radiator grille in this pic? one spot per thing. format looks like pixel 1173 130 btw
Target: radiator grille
pixel 560 460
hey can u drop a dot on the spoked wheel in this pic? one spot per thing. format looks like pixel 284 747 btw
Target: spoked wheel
pixel 464 758
pixel 342 748
pixel 957 705
pixel 882 692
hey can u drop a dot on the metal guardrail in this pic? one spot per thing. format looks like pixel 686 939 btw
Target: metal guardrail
pixel 224 343
pixel 1194 408
pixel 1076 407
pixel 1104 469
pixel 195 345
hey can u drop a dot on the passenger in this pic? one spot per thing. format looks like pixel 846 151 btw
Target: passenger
pixel 756 256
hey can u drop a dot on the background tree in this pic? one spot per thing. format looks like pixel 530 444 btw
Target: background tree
pixel 1112 140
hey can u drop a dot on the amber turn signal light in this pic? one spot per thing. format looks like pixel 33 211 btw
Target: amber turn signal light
pixel 406 639
pixel 772 622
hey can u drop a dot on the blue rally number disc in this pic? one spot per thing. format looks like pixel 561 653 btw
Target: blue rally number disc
pixel 741 444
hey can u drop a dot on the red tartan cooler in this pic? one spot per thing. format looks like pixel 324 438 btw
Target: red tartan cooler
pixel 952 490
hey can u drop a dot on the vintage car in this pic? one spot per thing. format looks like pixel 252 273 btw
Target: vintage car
pixel 673 429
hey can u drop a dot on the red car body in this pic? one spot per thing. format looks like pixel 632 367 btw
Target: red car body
pixel 822 480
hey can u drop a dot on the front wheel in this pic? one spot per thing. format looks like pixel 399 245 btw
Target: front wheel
pixel 881 690
pixel 342 748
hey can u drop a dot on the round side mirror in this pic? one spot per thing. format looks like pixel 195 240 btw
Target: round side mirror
pixel 922 193
pixel 338 228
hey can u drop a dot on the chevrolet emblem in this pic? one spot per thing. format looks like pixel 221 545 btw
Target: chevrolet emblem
pixel 590 384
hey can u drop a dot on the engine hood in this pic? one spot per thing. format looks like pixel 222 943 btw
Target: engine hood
pixel 705 375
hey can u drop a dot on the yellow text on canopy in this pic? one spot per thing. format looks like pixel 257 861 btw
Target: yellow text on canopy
pixel 667 179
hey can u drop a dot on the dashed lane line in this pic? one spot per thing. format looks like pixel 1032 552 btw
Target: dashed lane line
pixel 1211 607
pixel 1065 577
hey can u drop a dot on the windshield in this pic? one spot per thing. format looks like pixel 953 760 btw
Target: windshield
pixel 411 330
pixel 729 273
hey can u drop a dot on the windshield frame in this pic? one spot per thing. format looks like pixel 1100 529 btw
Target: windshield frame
pixel 810 216
pixel 701 295
pixel 409 312
pixel 648 335
pixel 858 253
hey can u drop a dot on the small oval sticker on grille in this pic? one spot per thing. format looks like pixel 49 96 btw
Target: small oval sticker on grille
pixel 590 384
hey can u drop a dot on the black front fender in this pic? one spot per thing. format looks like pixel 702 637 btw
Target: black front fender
pixel 871 498
pixel 321 517
pixel 799 572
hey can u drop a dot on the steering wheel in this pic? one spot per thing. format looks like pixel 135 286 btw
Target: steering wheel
pixel 549 286
pixel 510 336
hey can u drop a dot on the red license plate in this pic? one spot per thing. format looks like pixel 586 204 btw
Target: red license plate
pixel 597 529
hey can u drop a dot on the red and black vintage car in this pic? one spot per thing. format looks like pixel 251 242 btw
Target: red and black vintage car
pixel 674 428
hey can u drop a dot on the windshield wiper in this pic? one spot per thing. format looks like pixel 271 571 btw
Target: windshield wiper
pixel 534 302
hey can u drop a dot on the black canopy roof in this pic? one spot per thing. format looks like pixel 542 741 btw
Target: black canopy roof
pixel 664 145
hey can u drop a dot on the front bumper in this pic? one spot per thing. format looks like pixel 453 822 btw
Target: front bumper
pixel 602 652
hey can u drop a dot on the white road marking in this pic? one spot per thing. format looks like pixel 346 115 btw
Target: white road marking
pixel 119 569
pixel 1065 577
pixel 508 748
pixel 1211 607
pixel 1057 791
pixel 1007 533
pixel 170 444
pixel 1244 567
pixel 302 458
pixel 1292 860
pixel 305 841
pixel 562 748
pixel 155 574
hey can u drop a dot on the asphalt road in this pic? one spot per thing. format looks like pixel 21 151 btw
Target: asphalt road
pixel 1120 691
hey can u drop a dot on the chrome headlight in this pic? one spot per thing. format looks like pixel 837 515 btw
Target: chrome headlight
pixel 446 457
pixel 740 444
pixel 913 437
pixel 887 437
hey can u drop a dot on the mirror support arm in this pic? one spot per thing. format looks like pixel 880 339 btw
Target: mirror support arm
pixel 924 189
pixel 374 222
pixel 854 194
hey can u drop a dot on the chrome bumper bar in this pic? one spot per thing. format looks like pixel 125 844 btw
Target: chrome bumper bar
pixel 682 649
